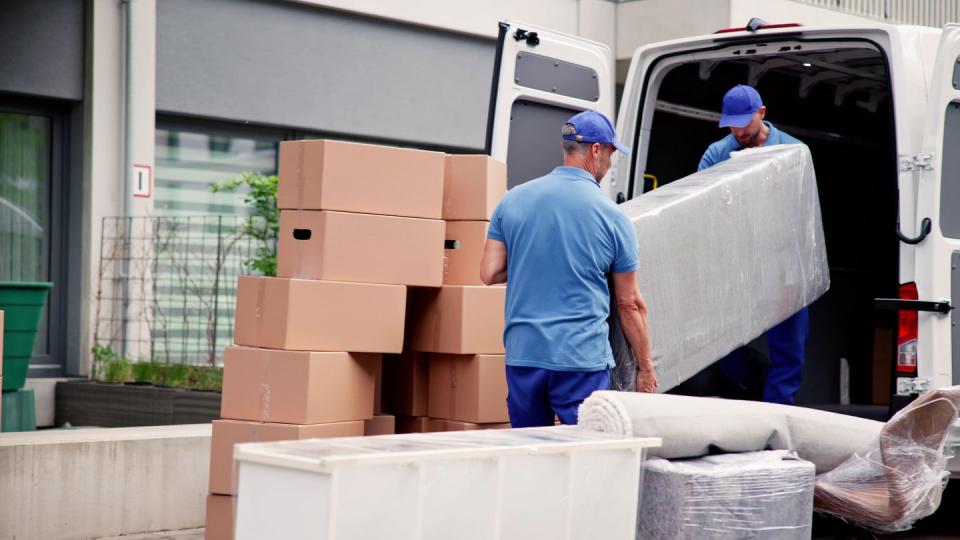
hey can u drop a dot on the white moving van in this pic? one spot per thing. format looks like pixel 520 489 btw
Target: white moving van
pixel 879 108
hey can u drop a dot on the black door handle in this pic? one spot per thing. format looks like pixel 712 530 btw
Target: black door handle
pixel 621 198
pixel 925 227
pixel 912 305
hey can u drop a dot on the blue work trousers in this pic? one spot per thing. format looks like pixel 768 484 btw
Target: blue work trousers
pixel 534 395
pixel 787 342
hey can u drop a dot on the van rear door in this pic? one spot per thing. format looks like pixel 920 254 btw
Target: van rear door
pixel 542 78
pixel 938 199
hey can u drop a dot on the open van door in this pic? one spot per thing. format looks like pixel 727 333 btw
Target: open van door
pixel 540 79
pixel 938 224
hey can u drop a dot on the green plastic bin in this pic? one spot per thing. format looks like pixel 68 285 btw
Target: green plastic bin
pixel 22 304
pixel 18 411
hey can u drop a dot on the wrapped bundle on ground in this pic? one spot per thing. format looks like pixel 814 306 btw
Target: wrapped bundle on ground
pixel 900 477
pixel 759 495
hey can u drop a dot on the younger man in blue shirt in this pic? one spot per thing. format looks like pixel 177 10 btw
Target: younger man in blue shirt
pixel 743 112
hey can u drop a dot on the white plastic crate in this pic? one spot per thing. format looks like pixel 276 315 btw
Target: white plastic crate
pixel 524 484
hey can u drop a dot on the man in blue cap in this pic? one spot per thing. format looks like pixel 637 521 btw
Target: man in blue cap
pixel 743 112
pixel 553 240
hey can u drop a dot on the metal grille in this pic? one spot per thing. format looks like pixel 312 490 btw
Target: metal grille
pixel 167 285
pixel 934 13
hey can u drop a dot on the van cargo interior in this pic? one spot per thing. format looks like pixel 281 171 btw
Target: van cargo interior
pixel 838 102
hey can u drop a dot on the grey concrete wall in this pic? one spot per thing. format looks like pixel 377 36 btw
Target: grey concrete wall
pixel 88 483
pixel 41 48
pixel 312 68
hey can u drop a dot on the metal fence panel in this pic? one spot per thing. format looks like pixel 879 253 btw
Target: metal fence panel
pixel 166 285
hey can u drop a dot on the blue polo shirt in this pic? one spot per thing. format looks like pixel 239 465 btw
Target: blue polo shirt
pixel 562 235
pixel 720 150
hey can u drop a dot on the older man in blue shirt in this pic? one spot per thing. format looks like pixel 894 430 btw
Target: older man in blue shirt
pixel 556 238
pixel 743 112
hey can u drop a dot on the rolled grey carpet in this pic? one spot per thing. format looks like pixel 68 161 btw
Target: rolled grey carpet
pixel 694 426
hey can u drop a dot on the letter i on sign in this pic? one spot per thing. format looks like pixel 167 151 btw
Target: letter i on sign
pixel 142 181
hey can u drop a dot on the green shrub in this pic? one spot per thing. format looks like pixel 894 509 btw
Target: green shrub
pixel 263 224
pixel 146 372
pixel 110 367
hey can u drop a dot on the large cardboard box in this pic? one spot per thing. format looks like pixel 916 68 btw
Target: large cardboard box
pixel 468 388
pixel 457 319
pixel 464 251
pixel 365 248
pixel 472 187
pixel 413 424
pixel 221 517
pixel 305 315
pixel 381 424
pixel 351 177
pixel 227 433
pixel 404 386
pixel 297 387
pixel 439 424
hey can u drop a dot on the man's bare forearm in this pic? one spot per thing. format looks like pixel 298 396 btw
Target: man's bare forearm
pixel 633 319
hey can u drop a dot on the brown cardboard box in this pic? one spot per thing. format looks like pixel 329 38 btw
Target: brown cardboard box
pixel 457 319
pixel 351 177
pixel 439 424
pixel 464 250
pixel 468 388
pixel 304 315
pixel 472 187
pixel 221 517
pixel 381 424
pixel 227 433
pixel 365 248
pixel 405 384
pixel 883 347
pixel 297 387
pixel 413 424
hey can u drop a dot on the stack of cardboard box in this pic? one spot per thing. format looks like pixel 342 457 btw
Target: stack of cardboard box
pixel 451 376
pixel 372 239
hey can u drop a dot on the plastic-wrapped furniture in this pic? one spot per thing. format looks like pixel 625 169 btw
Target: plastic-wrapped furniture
pixel 757 495
pixel 725 254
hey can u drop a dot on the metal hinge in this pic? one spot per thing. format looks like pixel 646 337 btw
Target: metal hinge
pixel 916 162
pixel 907 386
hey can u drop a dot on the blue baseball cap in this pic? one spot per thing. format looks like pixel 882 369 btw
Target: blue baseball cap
pixel 739 105
pixel 593 127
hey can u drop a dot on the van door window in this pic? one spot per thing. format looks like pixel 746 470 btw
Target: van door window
pixel 553 75
pixel 534 148
pixel 950 175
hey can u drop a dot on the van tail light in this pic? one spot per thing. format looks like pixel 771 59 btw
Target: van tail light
pixel 907 329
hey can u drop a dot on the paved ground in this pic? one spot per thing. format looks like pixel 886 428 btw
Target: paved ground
pixel 191 534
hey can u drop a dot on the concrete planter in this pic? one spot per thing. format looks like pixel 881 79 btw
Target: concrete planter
pixel 89 403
